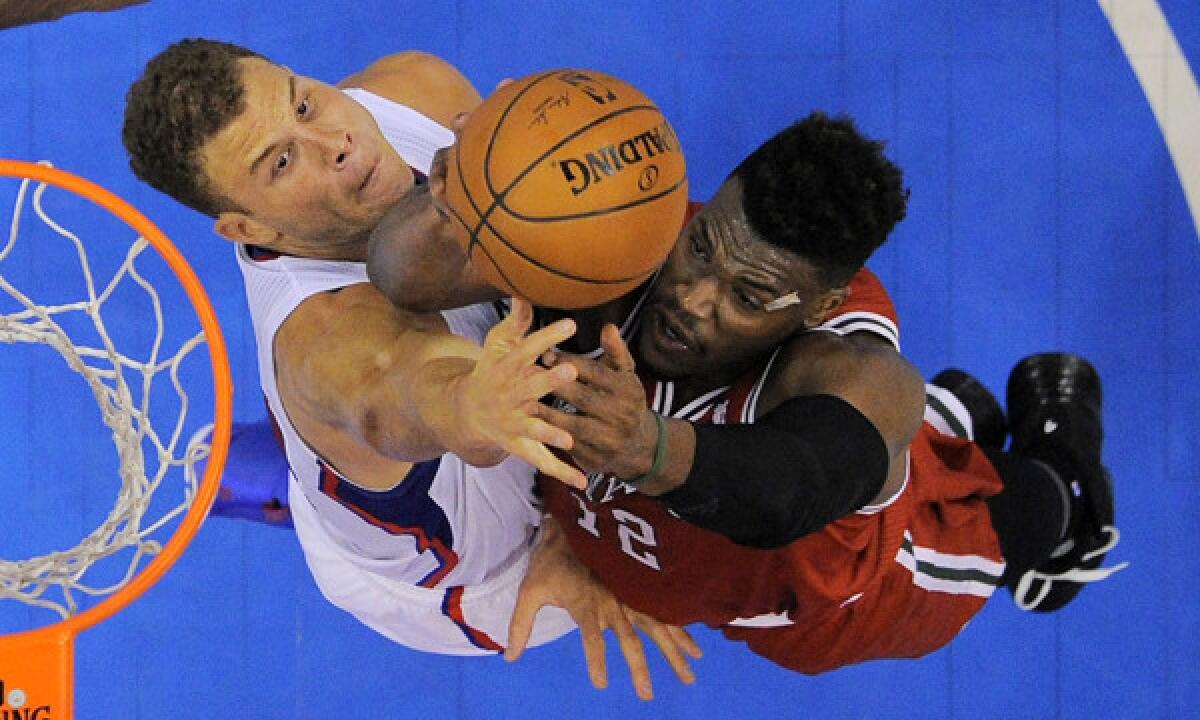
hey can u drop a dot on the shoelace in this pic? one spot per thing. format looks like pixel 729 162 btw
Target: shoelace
pixel 1075 575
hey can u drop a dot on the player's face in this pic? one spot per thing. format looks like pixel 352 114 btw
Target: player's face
pixel 308 165
pixel 707 317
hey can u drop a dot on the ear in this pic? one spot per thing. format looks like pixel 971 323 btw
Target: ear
pixel 241 228
pixel 824 305
pixel 438 169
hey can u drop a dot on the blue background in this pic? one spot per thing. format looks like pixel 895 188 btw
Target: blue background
pixel 1046 214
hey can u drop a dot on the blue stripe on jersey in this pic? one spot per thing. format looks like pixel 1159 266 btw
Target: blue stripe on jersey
pixel 258 254
pixel 407 509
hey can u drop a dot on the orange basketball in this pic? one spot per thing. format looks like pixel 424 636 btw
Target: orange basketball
pixel 568 187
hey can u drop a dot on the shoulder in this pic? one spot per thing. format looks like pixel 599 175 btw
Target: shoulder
pixel 853 367
pixel 410 64
pixel 326 306
pixel 822 355
pixel 419 80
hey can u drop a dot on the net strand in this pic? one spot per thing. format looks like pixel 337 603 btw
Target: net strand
pixel 57 580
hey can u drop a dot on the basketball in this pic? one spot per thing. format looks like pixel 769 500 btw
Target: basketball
pixel 567 187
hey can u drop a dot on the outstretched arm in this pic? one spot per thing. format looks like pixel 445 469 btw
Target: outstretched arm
pixel 348 364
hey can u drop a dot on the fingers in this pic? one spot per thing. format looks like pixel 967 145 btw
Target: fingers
pixel 684 640
pixel 513 326
pixel 533 383
pixel 582 396
pixel 593 654
pixel 537 455
pixel 606 374
pixel 669 646
pixel 540 431
pixel 616 358
pixel 591 371
pixel 521 625
pixel 616 352
pixel 521 308
pixel 592 637
pixel 673 641
pixel 505 343
pixel 635 657
pixel 570 423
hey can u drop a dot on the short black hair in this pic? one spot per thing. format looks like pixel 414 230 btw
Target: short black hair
pixel 824 192
pixel 186 95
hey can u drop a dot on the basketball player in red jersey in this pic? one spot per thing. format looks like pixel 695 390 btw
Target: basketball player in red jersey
pixel 848 528
pixel 784 484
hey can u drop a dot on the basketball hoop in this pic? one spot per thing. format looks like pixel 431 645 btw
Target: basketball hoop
pixel 37 666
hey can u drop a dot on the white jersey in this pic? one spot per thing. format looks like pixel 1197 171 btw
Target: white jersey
pixel 433 563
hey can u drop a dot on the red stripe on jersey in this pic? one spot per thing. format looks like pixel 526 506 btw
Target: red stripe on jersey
pixel 868 295
pixel 276 430
pixel 452 607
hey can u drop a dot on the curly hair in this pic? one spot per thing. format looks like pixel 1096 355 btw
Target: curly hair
pixel 185 96
pixel 824 192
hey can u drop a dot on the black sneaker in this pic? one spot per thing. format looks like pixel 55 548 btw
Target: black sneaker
pixel 1054 410
pixel 987 417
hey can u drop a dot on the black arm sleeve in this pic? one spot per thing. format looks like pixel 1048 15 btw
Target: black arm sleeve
pixel 801 466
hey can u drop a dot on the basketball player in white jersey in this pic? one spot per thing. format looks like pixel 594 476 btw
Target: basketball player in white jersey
pixel 417 544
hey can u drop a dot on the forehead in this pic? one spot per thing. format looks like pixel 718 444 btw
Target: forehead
pixel 739 249
pixel 265 86
pixel 260 78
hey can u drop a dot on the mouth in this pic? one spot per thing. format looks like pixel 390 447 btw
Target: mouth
pixel 672 335
pixel 367 186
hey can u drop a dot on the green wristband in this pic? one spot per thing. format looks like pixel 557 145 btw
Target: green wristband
pixel 660 454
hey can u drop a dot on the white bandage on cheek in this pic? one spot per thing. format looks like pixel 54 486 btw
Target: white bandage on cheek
pixel 783 301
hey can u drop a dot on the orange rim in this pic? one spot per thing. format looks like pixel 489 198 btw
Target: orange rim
pixel 66 630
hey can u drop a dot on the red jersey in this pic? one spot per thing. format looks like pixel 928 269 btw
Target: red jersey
pixel 895 580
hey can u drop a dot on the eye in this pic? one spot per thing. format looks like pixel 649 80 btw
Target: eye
pixel 746 299
pixel 282 162
pixel 303 108
pixel 699 247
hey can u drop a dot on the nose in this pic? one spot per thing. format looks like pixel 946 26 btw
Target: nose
pixel 698 296
pixel 340 149
pixel 334 145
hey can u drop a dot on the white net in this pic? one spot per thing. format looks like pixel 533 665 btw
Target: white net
pixel 122 388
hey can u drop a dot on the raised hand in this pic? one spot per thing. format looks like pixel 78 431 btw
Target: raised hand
pixel 556 578
pixel 497 402
pixel 614 431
